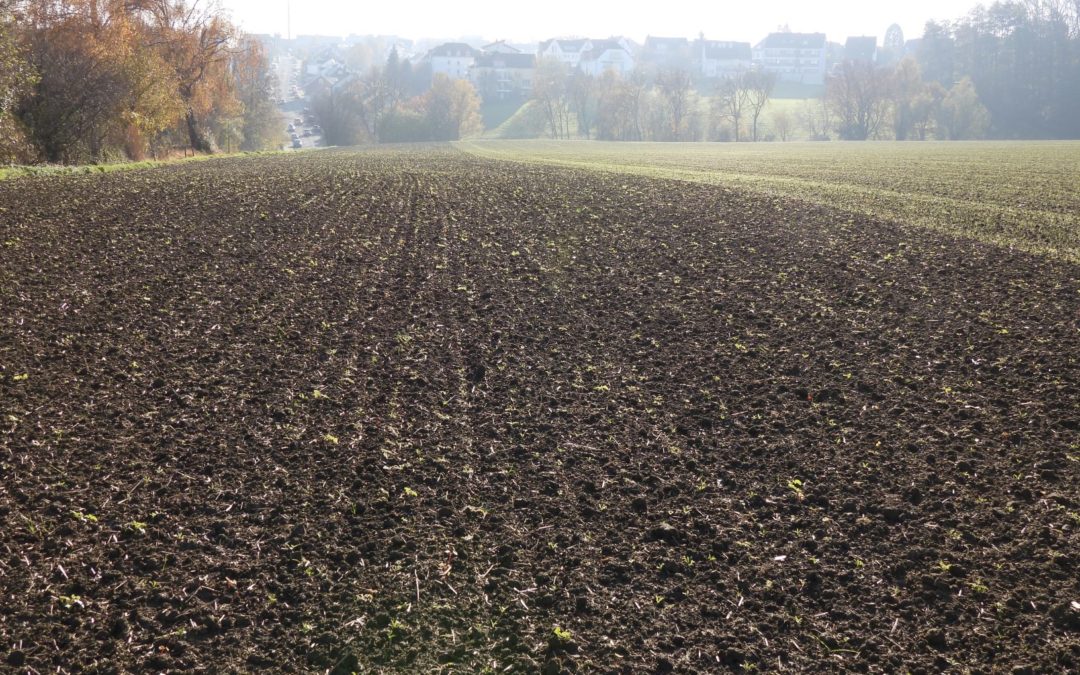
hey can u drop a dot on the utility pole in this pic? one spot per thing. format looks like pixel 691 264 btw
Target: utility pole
pixel 288 20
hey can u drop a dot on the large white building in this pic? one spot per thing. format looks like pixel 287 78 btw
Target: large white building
pixel 453 59
pixel 793 57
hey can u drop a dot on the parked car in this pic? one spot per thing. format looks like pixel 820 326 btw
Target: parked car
pixel 307 133
pixel 297 143
pixel 292 128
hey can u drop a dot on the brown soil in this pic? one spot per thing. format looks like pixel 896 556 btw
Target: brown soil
pixel 417 411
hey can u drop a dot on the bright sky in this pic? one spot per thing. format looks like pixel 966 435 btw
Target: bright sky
pixel 533 20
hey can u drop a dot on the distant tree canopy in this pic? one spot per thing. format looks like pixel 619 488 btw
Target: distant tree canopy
pixel 1023 60
pixel 375 108
pixel 87 80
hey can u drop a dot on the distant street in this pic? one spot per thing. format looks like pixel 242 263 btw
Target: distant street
pixel 292 102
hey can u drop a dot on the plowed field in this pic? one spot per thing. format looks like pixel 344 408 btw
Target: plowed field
pixel 413 411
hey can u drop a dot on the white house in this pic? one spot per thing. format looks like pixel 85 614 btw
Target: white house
pixel 607 55
pixel 717 59
pixel 564 51
pixel 793 57
pixel 453 59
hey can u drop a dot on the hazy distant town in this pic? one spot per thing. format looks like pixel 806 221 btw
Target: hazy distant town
pixel 91 81
pixel 984 75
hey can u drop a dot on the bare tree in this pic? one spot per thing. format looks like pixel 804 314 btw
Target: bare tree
pixel 759 87
pixel 730 103
pixel 372 98
pixel 859 96
pixel 582 90
pixel 674 86
pixel 815 118
pixel 783 124
pixel 826 116
pixel 550 94
pixel 620 107
pixel 635 90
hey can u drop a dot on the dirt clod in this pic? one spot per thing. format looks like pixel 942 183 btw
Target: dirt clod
pixel 938 639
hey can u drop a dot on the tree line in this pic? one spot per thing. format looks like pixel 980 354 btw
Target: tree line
pixel 1023 60
pixel 388 105
pixel 1011 70
pixel 648 105
pixel 93 80
pixel 862 101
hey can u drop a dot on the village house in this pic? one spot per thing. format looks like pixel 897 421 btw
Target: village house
pixel 322 72
pixel 666 52
pixel 612 55
pixel 717 59
pixel 453 59
pixel 568 52
pixel 503 75
pixel 793 57
pixel 324 65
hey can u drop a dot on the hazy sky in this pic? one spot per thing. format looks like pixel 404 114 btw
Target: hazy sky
pixel 531 20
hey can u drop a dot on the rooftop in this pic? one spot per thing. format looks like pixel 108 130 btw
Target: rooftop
pixel 793 41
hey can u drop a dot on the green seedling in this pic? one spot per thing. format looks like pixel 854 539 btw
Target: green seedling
pixel 563 635
pixel 84 517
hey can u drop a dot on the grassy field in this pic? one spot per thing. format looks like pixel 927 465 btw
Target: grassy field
pixel 1024 195
pixel 26 171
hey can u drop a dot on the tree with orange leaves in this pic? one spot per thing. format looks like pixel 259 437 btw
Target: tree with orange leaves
pixel 17 77
pixel 196 41
pixel 116 75
pixel 100 86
